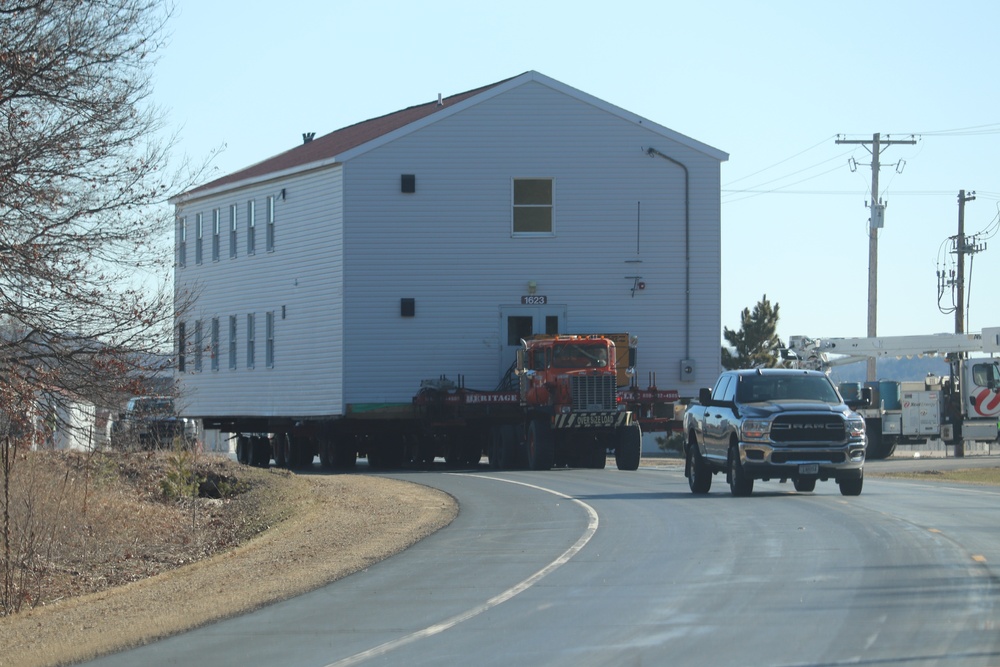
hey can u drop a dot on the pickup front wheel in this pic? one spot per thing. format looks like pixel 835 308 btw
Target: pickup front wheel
pixel 739 483
pixel 698 474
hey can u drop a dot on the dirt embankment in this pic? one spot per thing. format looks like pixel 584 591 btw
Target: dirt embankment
pixel 336 525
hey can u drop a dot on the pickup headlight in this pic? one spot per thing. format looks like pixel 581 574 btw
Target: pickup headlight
pixel 856 427
pixel 756 429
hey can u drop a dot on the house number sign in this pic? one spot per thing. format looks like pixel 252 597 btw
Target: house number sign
pixel 534 300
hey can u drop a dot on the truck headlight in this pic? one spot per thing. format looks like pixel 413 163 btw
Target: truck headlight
pixel 756 429
pixel 856 427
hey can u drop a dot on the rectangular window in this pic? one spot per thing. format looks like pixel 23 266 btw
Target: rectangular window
pixel 199 344
pixel 232 231
pixel 199 232
pixel 181 347
pixel 250 340
pixel 251 228
pixel 270 223
pixel 215 343
pixel 232 342
pixel 269 349
pixel 532 206
pixel 182 243
pixel 216 232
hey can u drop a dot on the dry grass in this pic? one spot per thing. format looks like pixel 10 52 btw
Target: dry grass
pixel 82 523
pixel 987 476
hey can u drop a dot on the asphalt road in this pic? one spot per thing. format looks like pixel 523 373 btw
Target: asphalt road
pixel 579 568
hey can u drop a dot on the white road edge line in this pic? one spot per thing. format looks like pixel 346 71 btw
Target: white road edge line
pixel 438 628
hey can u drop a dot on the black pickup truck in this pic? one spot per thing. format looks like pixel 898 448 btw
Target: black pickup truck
pixel 151 422
pixel 765 424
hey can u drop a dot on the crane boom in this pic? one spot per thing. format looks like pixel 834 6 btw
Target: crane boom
pixel 824 353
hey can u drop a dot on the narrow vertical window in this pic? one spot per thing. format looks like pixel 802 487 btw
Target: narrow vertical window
pixel 181 347
pixel 232 230
pixel 250 340
pixel 269 349
pixel 232 342
pixel 182 243
pixel 251 228
pixel 270 223
pixel 199 344
pixel 215 343
pixel 216 232
pixel 199 232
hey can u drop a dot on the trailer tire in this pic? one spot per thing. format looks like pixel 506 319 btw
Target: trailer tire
pixel 243 450
pixel 541 449
pixel 628 447
pixel 260 451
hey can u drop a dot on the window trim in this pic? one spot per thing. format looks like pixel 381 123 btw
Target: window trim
pixel 216 232
pixel 215 344
pixel 233 239
pixel 251 228
pixel 182 243
pixel 232 342
pixel 514 206
pixel 270 224
pixel 199 342
pixel 269 340
pixel 251 327
pixel 199 233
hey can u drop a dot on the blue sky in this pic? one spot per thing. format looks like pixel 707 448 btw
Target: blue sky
pixel 773 84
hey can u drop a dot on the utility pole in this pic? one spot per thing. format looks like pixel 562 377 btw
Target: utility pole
pixel 875 222
pixel 962 248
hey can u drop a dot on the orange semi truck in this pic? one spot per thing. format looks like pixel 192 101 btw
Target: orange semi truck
pixel 568 400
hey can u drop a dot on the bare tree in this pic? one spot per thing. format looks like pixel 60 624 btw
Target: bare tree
pixel 85 235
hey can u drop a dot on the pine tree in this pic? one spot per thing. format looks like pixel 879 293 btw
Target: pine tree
pixel 756 343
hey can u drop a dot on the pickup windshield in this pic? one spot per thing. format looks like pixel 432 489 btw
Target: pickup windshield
pixel 761 388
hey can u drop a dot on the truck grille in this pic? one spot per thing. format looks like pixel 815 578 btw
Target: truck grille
pixel 808 428
pixel 594 392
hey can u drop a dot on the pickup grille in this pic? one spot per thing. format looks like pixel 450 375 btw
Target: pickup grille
pixel 594 392
pixel 813 429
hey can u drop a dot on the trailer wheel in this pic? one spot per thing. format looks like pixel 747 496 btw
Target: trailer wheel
pixel 260 451
pixel 243 450
pixel 282 450
pixel 541 449
pixel 628 448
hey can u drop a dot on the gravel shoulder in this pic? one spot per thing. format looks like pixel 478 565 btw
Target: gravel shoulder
pixel 337 525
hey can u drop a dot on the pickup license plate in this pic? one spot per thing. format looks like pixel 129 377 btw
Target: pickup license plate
pixel 809 469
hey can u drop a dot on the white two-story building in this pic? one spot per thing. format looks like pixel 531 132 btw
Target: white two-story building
pixel 429 241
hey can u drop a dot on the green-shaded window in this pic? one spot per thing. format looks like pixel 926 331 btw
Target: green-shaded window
pixel 532 206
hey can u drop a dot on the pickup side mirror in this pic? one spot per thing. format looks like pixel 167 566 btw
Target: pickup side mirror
pixel 705 396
